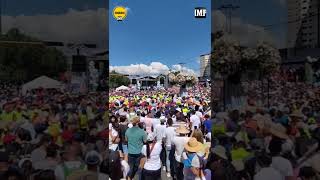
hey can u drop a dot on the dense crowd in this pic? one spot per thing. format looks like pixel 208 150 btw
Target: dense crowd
pixel 168 133
pixel 53 135
pixel 274 135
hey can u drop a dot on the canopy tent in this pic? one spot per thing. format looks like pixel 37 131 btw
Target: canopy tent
pixel 41 82
pixel 122 88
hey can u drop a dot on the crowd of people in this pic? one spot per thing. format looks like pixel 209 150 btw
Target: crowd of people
pixel 48 134
pixel 150 130
pixel 274 135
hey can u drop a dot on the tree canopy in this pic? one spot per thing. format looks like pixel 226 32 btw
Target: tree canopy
pixel 23 60
pixel 116 80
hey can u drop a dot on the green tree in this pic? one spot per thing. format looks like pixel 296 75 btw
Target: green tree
pixel 22 59
pixel 116 80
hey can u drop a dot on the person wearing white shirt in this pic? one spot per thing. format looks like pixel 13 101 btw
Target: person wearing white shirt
pixel 159 132
pixel 152 162
pixel 266 172
pixel 195 121
pixel 160 129
pixel 282 165
pixel 169 135
pixel 113 136
pixel 199 114
pixel 179 142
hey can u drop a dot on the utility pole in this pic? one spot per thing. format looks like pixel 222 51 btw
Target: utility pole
pixel 228 10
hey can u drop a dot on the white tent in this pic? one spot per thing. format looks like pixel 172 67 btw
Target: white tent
pixel 122 88
pixel 41 82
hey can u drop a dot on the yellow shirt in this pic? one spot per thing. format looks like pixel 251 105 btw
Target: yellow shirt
pixel 17 115
pixel 239 154
pixel 6 116
pixel 83 121
pixel 218 129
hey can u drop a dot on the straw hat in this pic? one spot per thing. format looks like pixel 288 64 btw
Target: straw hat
pixel 297 114
pixel 193 145
pixel 278 130
pixel 220 151
pixel 262 121
pixel 182 129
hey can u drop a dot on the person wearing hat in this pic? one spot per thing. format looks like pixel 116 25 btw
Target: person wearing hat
pixel 159 129
pixel 93 159
pixel 191 161
pixel 179 142
pixel 135 137
pixel 219 164
pixel 151 163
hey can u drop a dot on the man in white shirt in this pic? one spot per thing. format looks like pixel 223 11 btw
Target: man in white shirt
pixel 169 135
pixel 282 165
pixel 195 121
pixel 179 142
pixel 160 129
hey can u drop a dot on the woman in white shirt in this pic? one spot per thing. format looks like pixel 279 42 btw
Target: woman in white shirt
pixel 151 163
pixel 113 138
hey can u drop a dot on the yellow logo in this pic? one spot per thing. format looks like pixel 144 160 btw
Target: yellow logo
pixel 119 13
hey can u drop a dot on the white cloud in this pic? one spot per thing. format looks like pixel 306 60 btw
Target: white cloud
pixel 90 26
pixel 154 68
pixel 245 33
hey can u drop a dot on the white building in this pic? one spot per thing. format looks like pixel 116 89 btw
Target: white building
pixel 205 66
pixel 303 23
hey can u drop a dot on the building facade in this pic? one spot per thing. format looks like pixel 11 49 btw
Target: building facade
pixel 205 66
pixel 303 23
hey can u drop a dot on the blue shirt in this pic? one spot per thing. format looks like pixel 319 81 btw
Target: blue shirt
pixel 208 125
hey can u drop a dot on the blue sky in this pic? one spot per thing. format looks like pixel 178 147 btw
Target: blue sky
pixel 34 7
pixel 163 31
pixel 260 13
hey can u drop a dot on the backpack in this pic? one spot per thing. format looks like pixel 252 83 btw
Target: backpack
pixel 114 162
pixel 70 171
pixel 187 162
